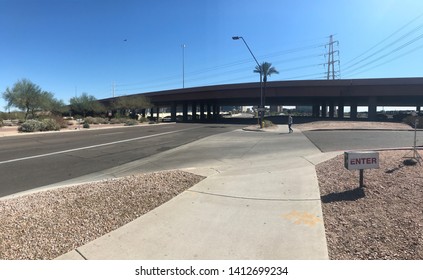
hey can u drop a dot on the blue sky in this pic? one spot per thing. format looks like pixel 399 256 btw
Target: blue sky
pixel 74 46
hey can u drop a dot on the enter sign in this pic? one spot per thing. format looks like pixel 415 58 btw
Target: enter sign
pixel 355 160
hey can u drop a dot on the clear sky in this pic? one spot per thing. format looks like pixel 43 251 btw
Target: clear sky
pixel 74 46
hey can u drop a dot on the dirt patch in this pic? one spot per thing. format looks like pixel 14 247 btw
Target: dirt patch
pixel 383 220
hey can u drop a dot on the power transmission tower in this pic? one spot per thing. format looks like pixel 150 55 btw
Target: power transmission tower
pixel 331 73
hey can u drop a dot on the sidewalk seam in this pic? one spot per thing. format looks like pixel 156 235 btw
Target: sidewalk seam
pixel 76 249
pixel 254 198
pixel 303 157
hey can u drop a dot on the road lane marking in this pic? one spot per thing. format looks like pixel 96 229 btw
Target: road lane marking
pixel 94 146
pixel 113 133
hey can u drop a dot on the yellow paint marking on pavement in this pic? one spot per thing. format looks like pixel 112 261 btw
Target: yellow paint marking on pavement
pixel 302 218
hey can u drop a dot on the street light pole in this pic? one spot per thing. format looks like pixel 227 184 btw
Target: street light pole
pixel 261 79
pixel 183 65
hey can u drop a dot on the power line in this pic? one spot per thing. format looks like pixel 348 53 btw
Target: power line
pixel 386 39
pixel 386 47
pixel 384 52
pixel 159 82
pixel 393 59
pixel 318 76
pixel 389 53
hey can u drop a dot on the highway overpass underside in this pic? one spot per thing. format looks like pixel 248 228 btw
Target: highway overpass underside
pixel 328 98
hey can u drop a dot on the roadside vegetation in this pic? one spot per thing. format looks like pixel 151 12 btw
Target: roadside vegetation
pixel 33 109
pixel 414 121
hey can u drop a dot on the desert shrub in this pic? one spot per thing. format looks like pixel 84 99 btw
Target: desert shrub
pixel 60 122
pixel 35 125
pixel 267 123
pixel 410 120
pixel 86 125
pixel 31 126
pixel 1 123
pixel 131 122
pixel 91 120
pixel 50 125
pixel 118 120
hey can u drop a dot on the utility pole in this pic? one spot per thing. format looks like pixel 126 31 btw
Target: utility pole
pixel 183 65
pixel 331 59
pixel 113 89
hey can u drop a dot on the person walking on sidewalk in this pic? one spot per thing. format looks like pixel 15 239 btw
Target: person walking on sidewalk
pixel 290 123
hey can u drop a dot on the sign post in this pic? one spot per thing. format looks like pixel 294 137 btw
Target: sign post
pixel 360 160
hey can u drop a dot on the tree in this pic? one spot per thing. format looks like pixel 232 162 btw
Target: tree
pixel 29 97
pixel 130 104
pixel 266 69
pixel 85 104
pixel 53 105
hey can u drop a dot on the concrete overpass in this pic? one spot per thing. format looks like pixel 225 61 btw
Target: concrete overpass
pixel 327 97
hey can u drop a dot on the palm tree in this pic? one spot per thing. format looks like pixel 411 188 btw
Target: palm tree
pixel 265 69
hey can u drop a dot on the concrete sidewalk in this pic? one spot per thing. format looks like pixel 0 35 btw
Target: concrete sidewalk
pixel 260 200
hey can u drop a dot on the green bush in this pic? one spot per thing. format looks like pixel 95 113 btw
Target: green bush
pixel 91 120
pixel 86 125
pixel 50 125
pixel 31 126
pixel 35 125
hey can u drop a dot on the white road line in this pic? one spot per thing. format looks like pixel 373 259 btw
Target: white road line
pixel 113 133
pixel 93 146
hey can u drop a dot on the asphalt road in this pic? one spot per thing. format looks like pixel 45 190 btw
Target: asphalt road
pixel 36 160
pixel 31 161
pixel 343 140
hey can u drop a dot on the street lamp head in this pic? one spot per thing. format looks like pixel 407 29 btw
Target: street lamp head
pixel 236 38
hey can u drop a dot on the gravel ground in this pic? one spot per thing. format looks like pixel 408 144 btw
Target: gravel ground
pixel 384 220
pixel 48 224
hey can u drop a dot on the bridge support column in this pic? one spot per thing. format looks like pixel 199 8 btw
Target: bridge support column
pixel 185 112
pixel 216 111
pixel 173 110
pixel 418 108
pixel 274 109
pixel 324 110
pixel 158 114
pixel 353 112
pixel 152 112
pixel 331 109
pixel 209 111
pixel 340 110
pixel 202 116
pixel 194 111
pixel 316 110
pixel 372 109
